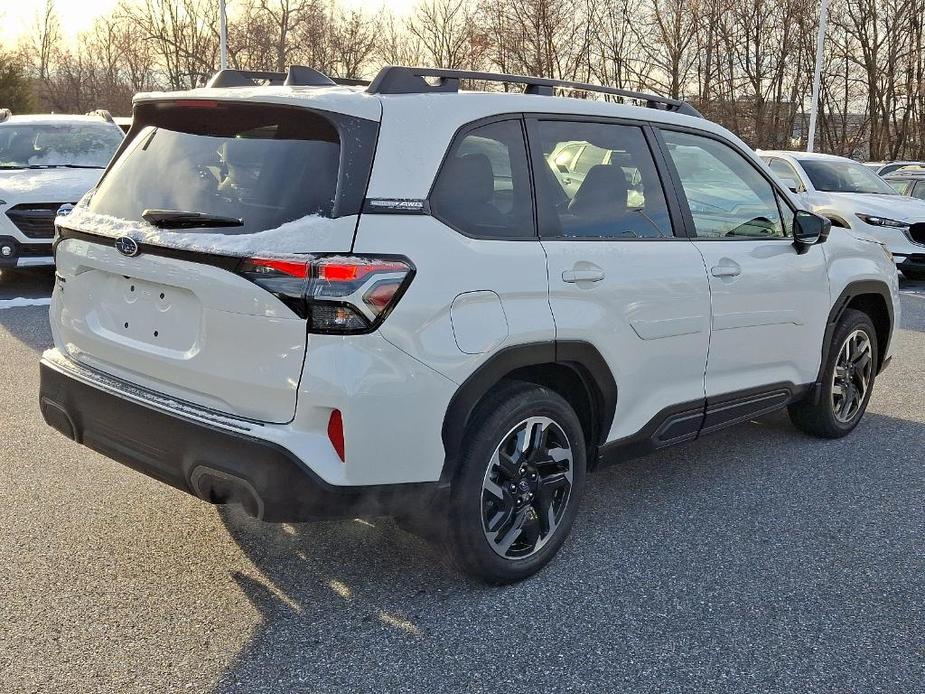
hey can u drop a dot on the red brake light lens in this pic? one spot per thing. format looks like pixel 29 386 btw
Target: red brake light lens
pixel 286 267
pixel 337 294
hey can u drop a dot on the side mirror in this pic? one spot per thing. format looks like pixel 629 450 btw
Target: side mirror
pixel 809 229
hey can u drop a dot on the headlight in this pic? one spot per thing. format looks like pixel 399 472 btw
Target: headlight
pixel 876 221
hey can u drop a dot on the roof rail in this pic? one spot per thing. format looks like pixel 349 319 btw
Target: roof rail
pixel 297 76
pixel 397 79
pixel 102 113
pixel 5 114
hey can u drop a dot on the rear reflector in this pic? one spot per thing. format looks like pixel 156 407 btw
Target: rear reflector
pixel 336 433
pixel 336 294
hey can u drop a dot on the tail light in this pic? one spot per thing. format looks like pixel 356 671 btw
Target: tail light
pixel 336 294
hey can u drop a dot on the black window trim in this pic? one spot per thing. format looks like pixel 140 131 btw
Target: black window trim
pixel 679 227
pixel 458 136
pixel 685 207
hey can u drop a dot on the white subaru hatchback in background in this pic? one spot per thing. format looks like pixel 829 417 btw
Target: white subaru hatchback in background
pixel 325 301
pixel 46 161
pixel 854 197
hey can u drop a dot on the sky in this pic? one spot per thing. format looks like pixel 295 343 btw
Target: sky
pixel 18 16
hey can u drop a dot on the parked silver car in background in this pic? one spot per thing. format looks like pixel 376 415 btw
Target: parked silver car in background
pixel 856 198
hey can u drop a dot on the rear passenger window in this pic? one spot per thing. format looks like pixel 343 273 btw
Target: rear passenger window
pixel 612 191
pixel 483 189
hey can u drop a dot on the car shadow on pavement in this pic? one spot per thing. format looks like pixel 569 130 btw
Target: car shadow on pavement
pixel 758 558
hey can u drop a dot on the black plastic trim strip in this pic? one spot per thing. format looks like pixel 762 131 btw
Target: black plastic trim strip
pixel 582 357
pixel 225 262
pixel 211 463
pixel 852 291
pixel 690 420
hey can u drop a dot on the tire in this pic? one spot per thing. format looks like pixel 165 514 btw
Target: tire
pixel 844 395
pixel 917 275
pixel 493 533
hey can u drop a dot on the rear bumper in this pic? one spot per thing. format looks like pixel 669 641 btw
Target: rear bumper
pixel 211 463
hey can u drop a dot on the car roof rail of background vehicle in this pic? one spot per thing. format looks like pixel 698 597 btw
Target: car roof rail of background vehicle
pixel 297 76
pixel 395 79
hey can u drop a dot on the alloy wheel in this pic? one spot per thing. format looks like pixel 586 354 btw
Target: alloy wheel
pixel 526 488
pixel 851 378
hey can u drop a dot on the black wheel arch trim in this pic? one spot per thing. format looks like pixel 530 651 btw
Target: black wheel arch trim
pixel 582 357
pixel 850 292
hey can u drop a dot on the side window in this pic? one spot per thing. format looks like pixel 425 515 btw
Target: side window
pixel 613 192
pixel 727 196
pixel 901 185
pixel 786 174
pixel 919 191
pixel 483 188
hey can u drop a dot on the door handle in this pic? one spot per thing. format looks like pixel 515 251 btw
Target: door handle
pixel 725 271
pixel 582 276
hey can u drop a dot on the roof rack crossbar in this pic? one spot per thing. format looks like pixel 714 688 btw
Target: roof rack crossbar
pixel 396 79
pixel 297 76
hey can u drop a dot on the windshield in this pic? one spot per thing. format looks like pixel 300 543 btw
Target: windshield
pixel 262 165
pixel 81 145
pixel 833 176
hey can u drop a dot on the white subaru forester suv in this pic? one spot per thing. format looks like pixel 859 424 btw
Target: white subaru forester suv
pixel 325 301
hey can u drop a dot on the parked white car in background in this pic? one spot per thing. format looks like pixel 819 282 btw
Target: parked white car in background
pixel 323 301
pixel 46 161
pixel 854 197
pixel 882 168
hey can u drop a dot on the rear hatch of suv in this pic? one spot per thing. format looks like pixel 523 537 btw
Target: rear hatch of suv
pixel 157 279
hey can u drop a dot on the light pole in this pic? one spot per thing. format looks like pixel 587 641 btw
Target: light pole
pixel 223 36
pixel 817 76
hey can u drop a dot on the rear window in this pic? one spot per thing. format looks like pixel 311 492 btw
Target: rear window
pixel 266 165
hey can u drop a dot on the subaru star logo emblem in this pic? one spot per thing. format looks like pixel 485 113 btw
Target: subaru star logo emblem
pixel 127 246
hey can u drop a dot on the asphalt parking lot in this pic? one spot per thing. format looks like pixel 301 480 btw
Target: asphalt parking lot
pixel 757 560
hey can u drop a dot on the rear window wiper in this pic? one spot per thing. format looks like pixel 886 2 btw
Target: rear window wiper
pixel 181 219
